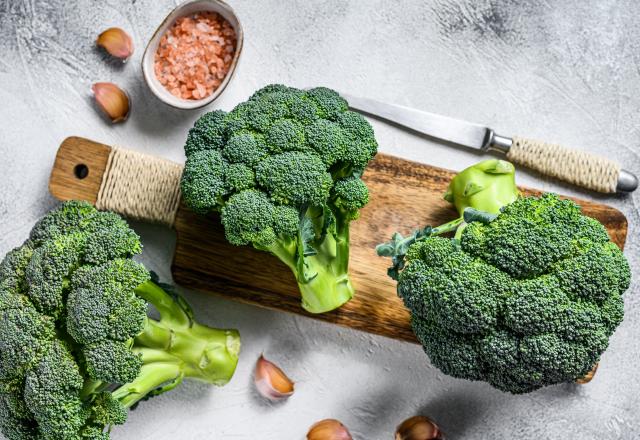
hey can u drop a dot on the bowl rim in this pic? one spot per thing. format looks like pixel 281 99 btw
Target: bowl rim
pixel 158 90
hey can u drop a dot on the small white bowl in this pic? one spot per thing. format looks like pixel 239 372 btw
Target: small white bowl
pixel 187 8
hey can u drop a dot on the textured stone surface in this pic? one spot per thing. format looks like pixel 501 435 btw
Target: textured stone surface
pixel 565 71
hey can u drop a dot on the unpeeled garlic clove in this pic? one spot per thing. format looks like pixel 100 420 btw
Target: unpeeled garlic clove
pixel 112 100
pixel 418 428
pixel 117 42
pixel 271 381
pixel 329 429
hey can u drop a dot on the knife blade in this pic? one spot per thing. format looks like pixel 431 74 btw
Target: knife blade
pixel 456 131
pixel 575 166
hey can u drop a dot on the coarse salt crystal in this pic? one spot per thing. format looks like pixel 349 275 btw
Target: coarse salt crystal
pixel 195 54
pixel 202 27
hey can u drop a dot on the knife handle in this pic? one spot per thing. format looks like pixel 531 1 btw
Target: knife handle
pixel 574 166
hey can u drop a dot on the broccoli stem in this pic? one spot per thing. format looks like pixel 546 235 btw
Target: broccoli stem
pixel 329 287
pixel 451 226
pixel 170 310
pixel 152 377
pixel 285 251
pixel 184 347
pixel 92 386
pixel 323 278
pixel 459 231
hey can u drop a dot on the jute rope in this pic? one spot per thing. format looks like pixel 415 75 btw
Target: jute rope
pixel 578 167
pixel 140 186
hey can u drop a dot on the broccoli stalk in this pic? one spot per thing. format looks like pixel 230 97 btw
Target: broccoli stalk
pixel 322 272
pixel 284 171
pixel 486 186
pixel 478 193
pixel 525 294
pixel 77 348
pixel 330 286
pixel 176 347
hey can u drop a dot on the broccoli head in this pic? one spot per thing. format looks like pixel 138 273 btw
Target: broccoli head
pixel 284 171
pixel 525 295
pixel 77 348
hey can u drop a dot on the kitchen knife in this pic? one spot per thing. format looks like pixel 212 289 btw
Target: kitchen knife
pixel 574 166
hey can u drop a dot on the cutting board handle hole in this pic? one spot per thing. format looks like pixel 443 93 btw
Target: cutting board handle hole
pixel 81 171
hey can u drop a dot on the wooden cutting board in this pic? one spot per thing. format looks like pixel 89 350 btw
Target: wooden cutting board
pixel 404 195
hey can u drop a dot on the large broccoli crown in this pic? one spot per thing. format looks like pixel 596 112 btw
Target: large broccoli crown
pixel 526 300
pixel 284 170
pixel 294 146
pixel 72 281
pixel 73 306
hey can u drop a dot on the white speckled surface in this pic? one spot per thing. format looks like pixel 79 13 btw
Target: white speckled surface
pixel 561 70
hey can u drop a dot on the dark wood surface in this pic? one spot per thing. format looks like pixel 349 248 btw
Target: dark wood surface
pixel 404 195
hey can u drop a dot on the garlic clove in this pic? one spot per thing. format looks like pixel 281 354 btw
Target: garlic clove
pixel 271 381
pixel 112 100
pixel 117 42
pixel 329 429
pixel 418 428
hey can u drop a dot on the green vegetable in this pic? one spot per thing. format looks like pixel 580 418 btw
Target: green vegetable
pixel 284 171
pixel 77 348
pixel 525 295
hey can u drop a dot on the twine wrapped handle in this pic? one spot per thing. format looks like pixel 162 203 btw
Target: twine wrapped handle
pixel 574 166
pixel 141 187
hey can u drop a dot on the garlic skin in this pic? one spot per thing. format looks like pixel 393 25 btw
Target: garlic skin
pixel 112 100
pixel 116 42
pixel 271 382
pixel 418 428
pixel 329 429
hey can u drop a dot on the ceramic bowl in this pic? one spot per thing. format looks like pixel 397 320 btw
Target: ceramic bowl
pixel 186 8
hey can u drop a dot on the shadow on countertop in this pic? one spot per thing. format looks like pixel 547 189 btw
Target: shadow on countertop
pixel 155 118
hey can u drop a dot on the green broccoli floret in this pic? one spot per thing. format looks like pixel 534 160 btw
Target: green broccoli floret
pixel 16 420
pixel 327 139
pixel 285 135
pixel 51 392
pixel 329 104
pixel 287 179
pixel 248 217
pixel 206 133
pixel 525 295
pixel 77 349
pixel 25 337
pixel 349 196
pixel 239 177
pixel 204 180
pixel 245 148
pixel 294 178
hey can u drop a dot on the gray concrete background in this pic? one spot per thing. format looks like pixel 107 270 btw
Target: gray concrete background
pixel 564 70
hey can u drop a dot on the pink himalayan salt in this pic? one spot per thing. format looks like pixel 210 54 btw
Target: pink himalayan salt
pixel 194 55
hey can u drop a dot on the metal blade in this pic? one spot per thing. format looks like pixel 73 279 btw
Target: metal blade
pixel 448 129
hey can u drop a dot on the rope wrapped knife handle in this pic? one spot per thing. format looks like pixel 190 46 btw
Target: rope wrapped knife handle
pixel 574 166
